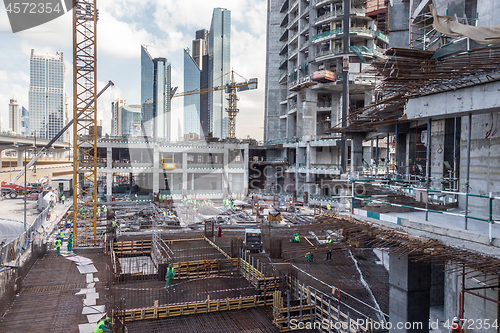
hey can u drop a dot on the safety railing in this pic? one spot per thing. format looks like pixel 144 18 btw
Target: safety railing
pixel 12 250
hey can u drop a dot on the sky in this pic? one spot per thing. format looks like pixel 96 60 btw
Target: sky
pixel 166 27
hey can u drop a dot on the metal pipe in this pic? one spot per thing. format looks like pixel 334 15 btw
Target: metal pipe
pixel 469 130
pixel 376 157
pixel 428 166
pixel 387 156
pixel 25 187
pixel 396 143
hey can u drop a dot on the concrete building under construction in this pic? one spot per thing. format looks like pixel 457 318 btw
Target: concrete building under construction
pixel 373 205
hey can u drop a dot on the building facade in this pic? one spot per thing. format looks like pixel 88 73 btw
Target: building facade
pixel 304 89
pixel 219 67
pixel 24 124
pixel 14 116
pixel 192 77
pixel 46 94
pixel 155 96
pixel 126 119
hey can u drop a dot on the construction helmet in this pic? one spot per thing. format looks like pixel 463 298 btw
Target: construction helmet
pixel 169 265
pixel 456 320
pixel 108 320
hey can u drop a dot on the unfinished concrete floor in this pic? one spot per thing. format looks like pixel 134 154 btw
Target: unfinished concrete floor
pixel 47 300
pixel 252 320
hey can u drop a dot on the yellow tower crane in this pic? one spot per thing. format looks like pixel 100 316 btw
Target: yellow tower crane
pixel 85 16
pixel 231 89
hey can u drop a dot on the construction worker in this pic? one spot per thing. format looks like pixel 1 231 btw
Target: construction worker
pixel 101 326
pixel 170 276
pixel 70 242
pixel 58 246
pixel 295 238
pixel 232 203
pixel 310 256
pixel 328 207
pixel 61 236
pixel 63 198
pixel 105 210
pixel 98 212
pixel 328 240
pixel 455 326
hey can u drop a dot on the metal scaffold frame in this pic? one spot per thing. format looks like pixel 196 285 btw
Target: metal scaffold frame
pixel 85 122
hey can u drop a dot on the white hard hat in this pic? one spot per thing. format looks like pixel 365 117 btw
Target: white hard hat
pixel 456 320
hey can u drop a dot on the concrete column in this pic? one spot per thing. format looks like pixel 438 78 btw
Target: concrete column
pixel 357 152
pixel 225 177
pixel 437 133
pixel 308 166
pixel 20 156
pixel 245 165
pixel 184 174
pixel 109 173
pixel 409 292
pixel 156 170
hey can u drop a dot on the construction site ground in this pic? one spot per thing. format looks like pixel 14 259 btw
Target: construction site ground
pixel 346 269
pixel 47 302
pixel 250 320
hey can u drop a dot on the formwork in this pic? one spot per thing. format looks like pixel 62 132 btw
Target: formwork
pixel 207 280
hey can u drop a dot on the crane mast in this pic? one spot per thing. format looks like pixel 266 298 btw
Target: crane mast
pixel 84 122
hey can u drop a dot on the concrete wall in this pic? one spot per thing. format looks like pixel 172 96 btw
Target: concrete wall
pixel 274 91
pixel 484 161
pixel 399 12
pixel 437 150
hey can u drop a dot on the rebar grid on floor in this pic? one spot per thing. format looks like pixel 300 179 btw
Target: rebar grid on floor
pixel 252 320
pixel 418 248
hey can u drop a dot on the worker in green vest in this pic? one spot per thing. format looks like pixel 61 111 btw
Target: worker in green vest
pixel 58 247
pixel 295 238
pixel 70 242
pixel 98 212
pixel 310 256
pixel 61 236
pixel 328 207
pixel 101 326
pixel 63 198
pixel 170 276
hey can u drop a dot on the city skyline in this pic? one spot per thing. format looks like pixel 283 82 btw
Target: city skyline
pixel 120 62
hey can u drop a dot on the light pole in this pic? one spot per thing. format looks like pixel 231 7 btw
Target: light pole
pixel 25 187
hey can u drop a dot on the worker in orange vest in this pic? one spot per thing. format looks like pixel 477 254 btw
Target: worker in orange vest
pixel 455 326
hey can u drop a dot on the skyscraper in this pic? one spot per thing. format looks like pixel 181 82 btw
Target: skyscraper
pixel 14 116
pixel 24 126
pixel 155 96
pixel 46 94
pixel 219 66
pixel 192 75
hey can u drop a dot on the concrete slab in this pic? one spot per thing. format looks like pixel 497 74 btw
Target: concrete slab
pixel 87 269
pixel 89 301
pixel 91 285
pixel 134 265
pixel 94 318
pixel 90 277
pixel 94 309
pixel 87 328
pixel 86 291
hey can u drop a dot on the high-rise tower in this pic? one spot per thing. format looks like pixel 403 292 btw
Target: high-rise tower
pixel 219 66
pixel 155 96
pixel 46 94
pixel 14 116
